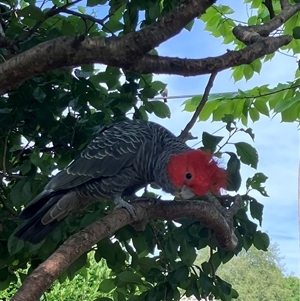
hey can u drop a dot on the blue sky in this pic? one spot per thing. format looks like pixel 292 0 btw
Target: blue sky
pixel 276 142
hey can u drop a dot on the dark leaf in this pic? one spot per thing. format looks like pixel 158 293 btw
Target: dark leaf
pixel 181 273
pixel 76 265
pixel 261 241
pixel 247 153
pixel 256 210
pixel 256 183
pixel 225 286
pixel 296 32
pixel 233 171
pixel 127 277
pixel 187 253
pixel 107 285
pixel 14 245
pixel 249 131
pixel 210 142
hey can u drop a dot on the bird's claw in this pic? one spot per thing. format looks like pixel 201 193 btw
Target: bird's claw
pixel 120 203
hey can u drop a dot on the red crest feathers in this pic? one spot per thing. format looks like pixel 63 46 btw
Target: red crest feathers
pixel 205 174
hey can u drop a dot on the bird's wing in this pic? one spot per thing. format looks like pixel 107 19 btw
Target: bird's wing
pixel 113 149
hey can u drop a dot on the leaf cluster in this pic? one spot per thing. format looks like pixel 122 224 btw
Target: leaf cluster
pixel 50 118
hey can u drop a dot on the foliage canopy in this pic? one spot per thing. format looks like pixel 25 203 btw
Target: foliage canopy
pixel 54 97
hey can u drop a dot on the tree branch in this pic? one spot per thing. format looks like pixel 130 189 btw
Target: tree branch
pixel 44 275
pixel 192 67
pixel 121 52
pixel 252 34
pixel 70 51
pixel 184 134
pixel 284 4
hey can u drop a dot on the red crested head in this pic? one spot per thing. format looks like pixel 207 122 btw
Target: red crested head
pixel 197 171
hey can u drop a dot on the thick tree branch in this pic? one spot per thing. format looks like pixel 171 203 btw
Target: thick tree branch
pixel 284 4
pixel 70 51
pixel 121 51
pixel 43 276
pixel 184 133
pixel 192 67
pixel 252 34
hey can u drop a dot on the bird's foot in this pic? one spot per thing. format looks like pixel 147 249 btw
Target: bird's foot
pixel 120 203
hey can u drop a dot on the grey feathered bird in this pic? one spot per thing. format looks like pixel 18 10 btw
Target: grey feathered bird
pixel 121 159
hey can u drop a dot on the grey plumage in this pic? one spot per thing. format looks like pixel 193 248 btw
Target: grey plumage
pixel 121 159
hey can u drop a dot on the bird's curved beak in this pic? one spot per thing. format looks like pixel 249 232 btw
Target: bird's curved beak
pixel 184 193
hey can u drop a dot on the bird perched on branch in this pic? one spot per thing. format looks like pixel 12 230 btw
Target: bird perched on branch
pixel 121 159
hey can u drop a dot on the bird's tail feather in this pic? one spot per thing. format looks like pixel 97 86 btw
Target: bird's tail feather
pixel 34 230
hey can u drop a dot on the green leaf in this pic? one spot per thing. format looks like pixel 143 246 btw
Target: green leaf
pixel 146 264
pixel 83 74
pixel 247 153
pixel 210 142
pixel 248 71
pixel 39 94
pixel 261 107
pixel 78 264
pixel 207 110
pixel 3 274
pixel 206 283
pixel 113 25
pixel 160 109
pixel 14 245
pixel 190 25
pixel 149 92
pixel 5 111
pixel 95 2
pixel 256 210
pixel 291 114
pixel 127 277
pixel 158 85
pixel 81 9
pixel 107 285
pixel 256 181
pixel 249 131
pixel 261 241
pixel 233 172
pixel 296 32
pixel 284 104
pixel 21 192
pixel 225 286
pixel 32 12
pixel 187 253
pixel 254 115
pixel 206 267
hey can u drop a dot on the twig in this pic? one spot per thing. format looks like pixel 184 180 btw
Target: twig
pixel 5 152
pixel 227 140
pixel 6 207
pixel 203 101
pixel 87 17
pixel 50 13
pixel 83 16
pixel 1 31
pixel 27 151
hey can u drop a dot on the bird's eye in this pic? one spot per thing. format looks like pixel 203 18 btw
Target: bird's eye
pixel 188 175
